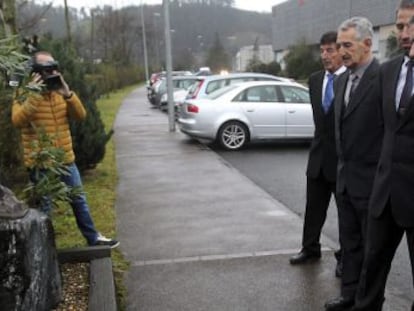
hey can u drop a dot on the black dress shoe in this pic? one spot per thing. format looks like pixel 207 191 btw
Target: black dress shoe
pixel 339 304
pixel 304 257
pixel 338 269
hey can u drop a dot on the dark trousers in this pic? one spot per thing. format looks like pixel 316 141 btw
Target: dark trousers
pixel 383 237
pixel 318 195
pixel 352 214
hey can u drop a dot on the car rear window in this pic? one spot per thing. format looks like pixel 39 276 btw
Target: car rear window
pixel 239 80
pixel 193 88
pixel 214 85
pixel 219 92
pixel 185 84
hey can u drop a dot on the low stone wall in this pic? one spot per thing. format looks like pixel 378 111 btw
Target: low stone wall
pixel 102 295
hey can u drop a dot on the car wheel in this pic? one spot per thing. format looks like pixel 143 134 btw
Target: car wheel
pixel 233 135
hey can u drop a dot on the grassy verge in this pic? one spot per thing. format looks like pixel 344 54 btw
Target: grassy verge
pixel 100 185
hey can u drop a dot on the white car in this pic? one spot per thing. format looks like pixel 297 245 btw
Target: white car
pixel 250 111
pixel 179 96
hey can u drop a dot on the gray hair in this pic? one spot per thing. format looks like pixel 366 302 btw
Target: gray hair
pixel 362 26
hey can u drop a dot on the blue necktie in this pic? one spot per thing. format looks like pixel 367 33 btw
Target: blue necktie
pixel 329 94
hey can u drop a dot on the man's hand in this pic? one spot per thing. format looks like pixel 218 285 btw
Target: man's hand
pixel 64 90
pixel 36 83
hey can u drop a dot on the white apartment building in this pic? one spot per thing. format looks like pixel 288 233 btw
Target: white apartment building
pixel 263 53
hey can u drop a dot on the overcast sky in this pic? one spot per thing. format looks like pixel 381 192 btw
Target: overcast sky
pixel 252 5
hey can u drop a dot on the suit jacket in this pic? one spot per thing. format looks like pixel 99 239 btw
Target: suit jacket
pixel 358 133
pixel 395 175
pixel 322 154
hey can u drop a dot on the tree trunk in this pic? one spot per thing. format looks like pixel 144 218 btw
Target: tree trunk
pixel 7 18
pixel 67 19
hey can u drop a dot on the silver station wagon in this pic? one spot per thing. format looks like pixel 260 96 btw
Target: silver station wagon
pixel 237 114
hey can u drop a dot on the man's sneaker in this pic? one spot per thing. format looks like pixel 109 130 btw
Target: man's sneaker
pixel 103 241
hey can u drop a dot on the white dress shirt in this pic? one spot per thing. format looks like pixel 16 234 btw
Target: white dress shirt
pixel 401 82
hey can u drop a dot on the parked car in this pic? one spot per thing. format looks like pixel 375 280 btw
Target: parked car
pixel 250 111
pixel 208 84
pixel 203 71
pixel 179 96
pixel 160 87
pixel 154 90
pixel 157 76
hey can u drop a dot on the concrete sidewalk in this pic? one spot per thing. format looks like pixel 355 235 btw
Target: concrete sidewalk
pixel 201 236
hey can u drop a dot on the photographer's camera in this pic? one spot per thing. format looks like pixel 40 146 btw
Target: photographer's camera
pixel 47 71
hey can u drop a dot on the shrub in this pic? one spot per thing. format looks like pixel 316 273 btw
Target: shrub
pixel 301 61
pixel 10 151
pixel 272 68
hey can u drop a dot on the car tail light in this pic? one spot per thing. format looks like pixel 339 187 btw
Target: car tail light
pixel 195 93
pixel 192 108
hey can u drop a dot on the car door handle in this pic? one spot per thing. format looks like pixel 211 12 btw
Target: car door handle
pixel 291 111
pixel 250 110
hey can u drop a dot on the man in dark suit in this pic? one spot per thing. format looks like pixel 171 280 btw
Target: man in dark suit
pixel 358 133
pixel 391 209
pixel 322 162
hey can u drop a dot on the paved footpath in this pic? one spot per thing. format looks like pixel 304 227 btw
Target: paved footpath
pixel 201 236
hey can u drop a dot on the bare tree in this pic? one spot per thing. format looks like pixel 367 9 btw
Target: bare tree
pixel 7 18
pixel 30 22
pixel 67 20
pixel 114 37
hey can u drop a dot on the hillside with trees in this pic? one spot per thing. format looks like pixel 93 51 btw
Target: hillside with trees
pixel 115 34
pixel 100 49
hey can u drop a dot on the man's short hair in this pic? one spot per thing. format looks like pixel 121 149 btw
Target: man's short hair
pixel 362 26
pixel 328 37
pixel 406 4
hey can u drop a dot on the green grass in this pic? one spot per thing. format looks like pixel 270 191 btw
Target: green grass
pixel 99 185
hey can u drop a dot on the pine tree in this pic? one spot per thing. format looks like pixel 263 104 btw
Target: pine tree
pixel 217 58
pixel 301 61
pixel 89 138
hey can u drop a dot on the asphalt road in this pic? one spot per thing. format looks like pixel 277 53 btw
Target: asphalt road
pixel 279 169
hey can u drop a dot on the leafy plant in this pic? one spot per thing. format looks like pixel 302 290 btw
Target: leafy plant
pixel 47 166
pixel 301 61
pixel 392 46
pixel 272 68
pixel 217 58
pixel 11 62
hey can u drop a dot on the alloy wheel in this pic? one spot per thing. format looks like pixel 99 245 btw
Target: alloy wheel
pixel 233 135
